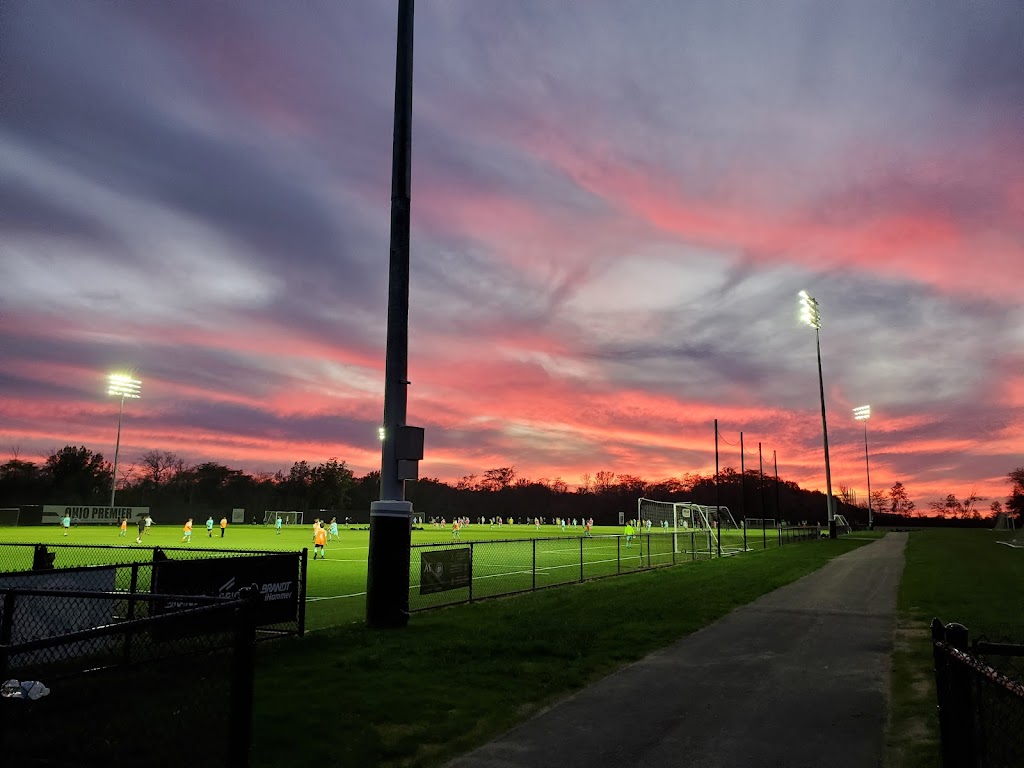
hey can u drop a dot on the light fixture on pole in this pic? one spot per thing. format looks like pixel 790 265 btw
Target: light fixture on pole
pixel 863 413
pixel 811 315
pixel 122 386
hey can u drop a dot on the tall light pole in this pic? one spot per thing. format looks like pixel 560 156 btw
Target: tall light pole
pixel 122 386
pixel 811 315
pixel 863 413
pixel 389 555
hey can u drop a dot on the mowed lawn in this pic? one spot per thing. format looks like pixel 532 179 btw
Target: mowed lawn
pixel 336 585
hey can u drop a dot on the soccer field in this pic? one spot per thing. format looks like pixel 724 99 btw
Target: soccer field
pixel 508 561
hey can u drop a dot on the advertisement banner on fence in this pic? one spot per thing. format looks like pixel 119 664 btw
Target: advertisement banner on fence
pixel 80 515
pixel 275 576
pixel 445 569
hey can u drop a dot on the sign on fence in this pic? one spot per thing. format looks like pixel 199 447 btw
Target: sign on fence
pixel 445 569
pixel 276 577
pixel 52 513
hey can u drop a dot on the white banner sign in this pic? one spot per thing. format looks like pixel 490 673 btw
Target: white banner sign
pixel 54 513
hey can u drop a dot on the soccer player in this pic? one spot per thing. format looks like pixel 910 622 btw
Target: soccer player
pixel 587 526
pixel 223 525
pixel 149 523
pixel 124 527
pixel 629 532
pixel 334 529
pixel 277 525
pixel 142 530
pixel 319 542
pixel 456 525
pixel 66 522
pixel 187 532
pixel 209 527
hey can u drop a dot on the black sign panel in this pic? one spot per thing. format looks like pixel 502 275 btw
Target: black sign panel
pixel 275 576
pixel 445 569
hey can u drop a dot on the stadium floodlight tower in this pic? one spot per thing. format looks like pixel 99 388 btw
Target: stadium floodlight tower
pixel 863 413
pixel 121 385
pixel 811 315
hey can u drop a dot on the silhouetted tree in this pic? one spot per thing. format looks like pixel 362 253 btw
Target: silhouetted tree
pixel 1015 503
pixel 899 502
pixel 76 475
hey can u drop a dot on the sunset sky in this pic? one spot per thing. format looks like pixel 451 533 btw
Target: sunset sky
pixel 614 206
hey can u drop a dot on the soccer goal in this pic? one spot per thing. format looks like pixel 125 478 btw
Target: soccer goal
pixel 1003 522
pixel 842 526
pixel 679 516
pixel 761 522
pixel 290 517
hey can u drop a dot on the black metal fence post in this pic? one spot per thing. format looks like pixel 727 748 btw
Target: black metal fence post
pixel 618 555
pixel 953 685
pixel 133 588
pixel 303 560
pixel 472 551
pixel 243 668
pixel 581 558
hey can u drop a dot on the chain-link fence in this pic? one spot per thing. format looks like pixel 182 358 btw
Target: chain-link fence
pixel 981 699
pixel 135 570
pixel 173 688
pixel 464 571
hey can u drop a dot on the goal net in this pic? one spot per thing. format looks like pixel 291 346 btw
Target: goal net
pixel 842 526
pixel 679 516
pixel 761 522
pixel 1003 522
pixel 289 517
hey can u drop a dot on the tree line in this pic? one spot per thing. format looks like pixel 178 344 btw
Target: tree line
pixel 168 485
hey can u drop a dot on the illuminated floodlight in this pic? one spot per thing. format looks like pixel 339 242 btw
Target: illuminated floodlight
pixel 862 412
pixel 809 313
pixel 382 433
pixel 121 385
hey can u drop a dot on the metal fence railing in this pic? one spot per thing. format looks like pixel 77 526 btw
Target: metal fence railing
pixel 139 570
pixel 454 572
pixel 172 688
pixel 980 691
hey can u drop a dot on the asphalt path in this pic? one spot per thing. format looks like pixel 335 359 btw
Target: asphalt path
pixel 797 679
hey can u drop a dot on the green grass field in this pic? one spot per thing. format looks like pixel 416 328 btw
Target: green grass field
pixel 336 586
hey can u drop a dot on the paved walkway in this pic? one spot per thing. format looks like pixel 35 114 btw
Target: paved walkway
pixel 797 679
